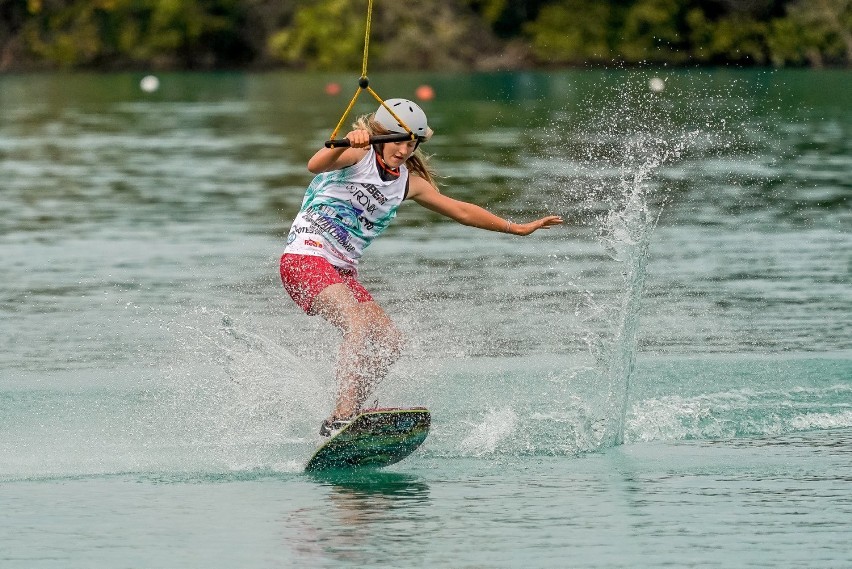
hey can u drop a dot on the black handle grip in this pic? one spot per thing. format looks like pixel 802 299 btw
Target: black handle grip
pixel 378 139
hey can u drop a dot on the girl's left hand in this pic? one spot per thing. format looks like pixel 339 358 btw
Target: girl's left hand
pixel 532 226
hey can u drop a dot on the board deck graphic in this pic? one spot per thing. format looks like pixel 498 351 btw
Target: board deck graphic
pixel 374 439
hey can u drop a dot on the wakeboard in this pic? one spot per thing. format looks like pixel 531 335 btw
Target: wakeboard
pixel 374 439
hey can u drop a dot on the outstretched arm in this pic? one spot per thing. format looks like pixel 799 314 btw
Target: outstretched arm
pixel 470 214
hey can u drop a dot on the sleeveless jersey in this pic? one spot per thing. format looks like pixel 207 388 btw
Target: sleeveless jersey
pixel 344 210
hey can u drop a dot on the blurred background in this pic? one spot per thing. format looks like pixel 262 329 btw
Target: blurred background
pixel 436 34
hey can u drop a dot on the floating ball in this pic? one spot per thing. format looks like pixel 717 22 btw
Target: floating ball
pixel 149 84
pixel 425 93
pixel 332 89
pixel 656 84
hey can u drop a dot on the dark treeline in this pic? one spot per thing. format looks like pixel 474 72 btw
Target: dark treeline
pixel 426 34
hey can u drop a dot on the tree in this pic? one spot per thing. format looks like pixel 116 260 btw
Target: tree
pixel 572 31
pixel 65 33
pixel 652 32
pixel 162 33
pixel 431 34
pixel 827 29
pixel 329 34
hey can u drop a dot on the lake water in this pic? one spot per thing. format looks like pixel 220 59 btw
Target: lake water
pixel 666 380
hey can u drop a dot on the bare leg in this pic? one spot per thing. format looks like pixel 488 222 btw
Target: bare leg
pixel 371 344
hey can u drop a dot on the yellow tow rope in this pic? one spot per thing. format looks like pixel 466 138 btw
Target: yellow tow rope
pixel 364 83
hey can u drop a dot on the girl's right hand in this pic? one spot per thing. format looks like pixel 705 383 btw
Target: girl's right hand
pixel 359 138
pixel 339 157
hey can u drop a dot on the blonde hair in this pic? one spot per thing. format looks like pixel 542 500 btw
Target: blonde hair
pixel 417 163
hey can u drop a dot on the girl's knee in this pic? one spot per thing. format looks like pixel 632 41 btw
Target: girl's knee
pixel 380 330
pixel 393 340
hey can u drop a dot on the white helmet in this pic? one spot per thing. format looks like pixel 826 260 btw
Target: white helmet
pixel 409 112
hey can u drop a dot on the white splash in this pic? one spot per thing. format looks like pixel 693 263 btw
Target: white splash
pixel 495 427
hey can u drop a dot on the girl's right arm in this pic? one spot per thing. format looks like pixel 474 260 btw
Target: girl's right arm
pixel 328 159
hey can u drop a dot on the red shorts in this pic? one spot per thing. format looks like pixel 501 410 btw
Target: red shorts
pixel 305 276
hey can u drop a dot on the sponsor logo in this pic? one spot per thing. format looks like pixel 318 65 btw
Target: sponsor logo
pixel 364 201
pixel 367 196
pixel 330 227
pixel 367 224
pixel 374 191
pixel 313 243
pixel 297 230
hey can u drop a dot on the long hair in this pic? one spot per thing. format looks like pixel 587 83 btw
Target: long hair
pixel 417 163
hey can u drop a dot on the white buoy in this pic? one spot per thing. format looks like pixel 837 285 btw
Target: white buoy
pixel 656 84
pixel 149 84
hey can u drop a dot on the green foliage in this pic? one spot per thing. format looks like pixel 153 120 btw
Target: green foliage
pixel 784 41
pixel 435 34
pixel 451 38
pixel 328 34
pixel 491 10
pixel 68 36
pixel 825 29
pixel 507 17
pixel 651 32
pixel 572 31
pixel 166 33
pixel 739 40
pixel 683 31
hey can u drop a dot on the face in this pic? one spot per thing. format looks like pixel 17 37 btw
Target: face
pixel 396 153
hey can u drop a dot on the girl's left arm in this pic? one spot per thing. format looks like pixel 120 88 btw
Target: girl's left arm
pixel 470 214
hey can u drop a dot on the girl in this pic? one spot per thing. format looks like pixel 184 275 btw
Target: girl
pixel 352 199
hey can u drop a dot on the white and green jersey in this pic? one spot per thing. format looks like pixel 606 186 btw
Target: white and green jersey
pixel 344 210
